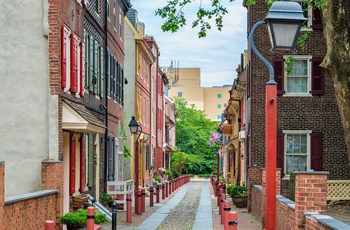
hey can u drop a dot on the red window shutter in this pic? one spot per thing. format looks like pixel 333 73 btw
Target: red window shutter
pixel 316 151
pixel 82 68
pixel 316 19
pixel 63 56
pixel 74 64
pixel 278 66
pixel 82 163
pixel 280 152
pixel 317 79
pixel 72 161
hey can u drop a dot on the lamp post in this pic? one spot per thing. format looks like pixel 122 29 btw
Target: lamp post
pixel 284 21
pixel 134 129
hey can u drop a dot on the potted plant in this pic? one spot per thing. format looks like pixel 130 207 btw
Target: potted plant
pixel 77 220
pixel 238 193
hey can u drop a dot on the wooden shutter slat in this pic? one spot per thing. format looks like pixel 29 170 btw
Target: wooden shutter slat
pixel 278 66
pixel 102 81
pixel 316 151
pixel 91 63
pixel 96 74
pixel 317 77
pixel 82 67
pixel 108 72
pixel 280 153
pixel 90 160
pixel 74 63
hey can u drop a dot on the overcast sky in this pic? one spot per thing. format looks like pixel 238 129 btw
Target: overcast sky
pixel 217 55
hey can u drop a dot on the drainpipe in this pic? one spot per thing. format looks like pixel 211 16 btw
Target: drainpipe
pixel 106 98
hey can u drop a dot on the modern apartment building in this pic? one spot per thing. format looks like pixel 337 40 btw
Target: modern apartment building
pixel 186 83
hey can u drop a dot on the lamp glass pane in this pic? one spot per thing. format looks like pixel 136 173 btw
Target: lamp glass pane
pixel 133 129
pixel 284 34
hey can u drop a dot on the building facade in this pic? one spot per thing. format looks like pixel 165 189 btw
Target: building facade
pixel 309 129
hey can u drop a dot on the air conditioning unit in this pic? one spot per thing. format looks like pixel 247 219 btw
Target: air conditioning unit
pixel 241 135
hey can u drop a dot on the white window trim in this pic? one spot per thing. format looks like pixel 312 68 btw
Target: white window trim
pixel 309 79
pixel 68 60
pixel 286 132
pixel 308 24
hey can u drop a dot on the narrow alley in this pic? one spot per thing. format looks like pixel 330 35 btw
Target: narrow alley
pixel 192 206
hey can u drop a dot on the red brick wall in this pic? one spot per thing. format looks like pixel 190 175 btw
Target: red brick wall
pixel 52 179
pixel 313 224
pixel 33 212
pixel 30 213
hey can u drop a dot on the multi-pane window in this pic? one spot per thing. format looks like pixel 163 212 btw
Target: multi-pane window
pixel 179 94
pixel 108 9
pixel 98 6
pixel 115 14
pixel 297 151
pixel 298 76
pixel 307 12
pixel 219 116
pixel 219 106
pixel 120 23
pixel 72 68
pixel 219 95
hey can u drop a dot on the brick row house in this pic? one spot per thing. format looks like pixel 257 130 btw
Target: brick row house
pixel 309 129
pixel 86 68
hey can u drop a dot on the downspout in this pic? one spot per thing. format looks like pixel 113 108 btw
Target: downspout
pixel 106 98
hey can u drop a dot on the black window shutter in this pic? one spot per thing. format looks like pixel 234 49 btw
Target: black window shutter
pixel 278 66
pixel 280 152
pixel 110 158
pixel 316 151
pixel 317 79
pixel 316 19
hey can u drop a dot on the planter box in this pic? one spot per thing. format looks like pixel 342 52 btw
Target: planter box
pixel 240 201
pixel 79 200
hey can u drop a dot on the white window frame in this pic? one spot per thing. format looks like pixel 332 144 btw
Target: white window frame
pixel 68 34
pixel 119 157
pixel 120 24
pixel 309 76
pixel 115 15
pixel 108 11
pixel 308 149
pixel 308 24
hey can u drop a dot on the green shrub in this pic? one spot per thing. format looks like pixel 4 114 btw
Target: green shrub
pixel 79 218
pixel 157 179
pixel 236 190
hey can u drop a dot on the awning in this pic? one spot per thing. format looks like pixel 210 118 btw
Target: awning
pixel 76 117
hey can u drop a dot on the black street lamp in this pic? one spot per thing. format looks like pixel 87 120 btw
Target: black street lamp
pixel 284 21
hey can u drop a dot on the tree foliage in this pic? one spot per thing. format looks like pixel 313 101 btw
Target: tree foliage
pixel 193 130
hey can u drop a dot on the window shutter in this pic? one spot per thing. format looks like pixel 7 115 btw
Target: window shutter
pixel 317 77
pixel 82 163
pixel 115 80
pixel 248 79
pixel 102 81
pixel 91 62
pixel 90 160
pixel 111 158
pixel 280 153
pixel 82 67
pixel 108 73
pixel 72 164
pixel 316 151
pixel 64 56
pixel 74 63
pixel 148 157
pixel 122 93
pixel 278 66
pixel 316 19
pixel 96 74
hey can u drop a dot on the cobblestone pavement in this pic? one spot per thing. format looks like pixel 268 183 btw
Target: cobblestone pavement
pixel 183 215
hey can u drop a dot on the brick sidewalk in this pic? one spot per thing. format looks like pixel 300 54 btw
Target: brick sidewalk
pixel 246 221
